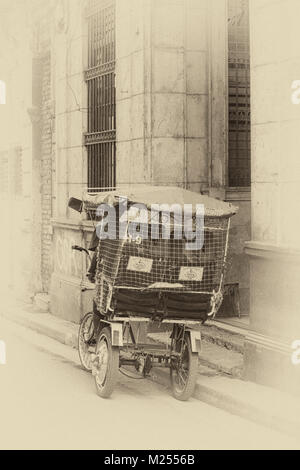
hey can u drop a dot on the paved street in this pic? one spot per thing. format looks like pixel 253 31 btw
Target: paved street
pixel 47 401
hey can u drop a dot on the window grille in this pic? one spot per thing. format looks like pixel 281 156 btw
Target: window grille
pixel 239 147
pixel 100 77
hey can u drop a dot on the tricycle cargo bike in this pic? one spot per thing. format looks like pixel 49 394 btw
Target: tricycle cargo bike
pixel 160 259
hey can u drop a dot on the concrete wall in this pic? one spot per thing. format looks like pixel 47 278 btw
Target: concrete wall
pixel 41 113
pixel 171 126
pixel 274 249
pixel 162 92
pixel 16 234
pixel 69 91
pixel 69 44
pixel 238 267
pixel 47 168
pixel 171 70
pixel 172 106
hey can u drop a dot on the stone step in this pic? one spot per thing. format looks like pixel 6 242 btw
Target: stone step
pixel 221 334
pixel 213 359
pixel 42 302
pixel 222 360
pixel 222 337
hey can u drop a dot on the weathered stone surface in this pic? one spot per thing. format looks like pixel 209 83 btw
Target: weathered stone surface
pixel 274 249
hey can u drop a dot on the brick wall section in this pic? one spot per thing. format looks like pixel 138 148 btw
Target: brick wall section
pixel 46 171
pixel 42 19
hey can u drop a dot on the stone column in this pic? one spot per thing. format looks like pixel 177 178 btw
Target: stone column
pixel 162 92
pixel 274 249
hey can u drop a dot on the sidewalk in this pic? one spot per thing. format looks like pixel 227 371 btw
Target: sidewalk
pixel 262 405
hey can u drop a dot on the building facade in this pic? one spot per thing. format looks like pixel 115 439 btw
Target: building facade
pixel 142 93
pixel 158 91
pixel 15 148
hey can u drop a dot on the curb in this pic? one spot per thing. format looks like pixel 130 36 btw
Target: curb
pixel 208 393
pixel 45 324
pixel 244 399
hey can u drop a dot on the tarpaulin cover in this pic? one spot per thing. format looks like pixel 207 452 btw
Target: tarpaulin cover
pixel 149 195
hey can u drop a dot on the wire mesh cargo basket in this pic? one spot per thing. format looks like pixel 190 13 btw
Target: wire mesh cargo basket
pixel 163 276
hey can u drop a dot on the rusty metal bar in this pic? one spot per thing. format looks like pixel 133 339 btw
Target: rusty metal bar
pixel 239 160
pixel 100 138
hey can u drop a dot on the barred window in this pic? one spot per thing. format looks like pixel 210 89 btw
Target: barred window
pixel 239 142
pixel 100 77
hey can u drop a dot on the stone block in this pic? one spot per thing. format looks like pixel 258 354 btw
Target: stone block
pixel 168 158
pixel 289 208
pixel 75 92
pixel 131 31
pixel 133 166
pixel 168 115
pixel 130 75
pixel 197 160
pixel 168 71
pixel 197 23
pixel 168 24
pixel 289 28
pixel 74 128
pixel 74 166
pixel 265 152
pixel 265 91
pixel 197 116
pixel 130 118
pixel 289 153
pixel 197 72
pixel 61 131
pixel 265 214
pixel 124 175
pixel 265 25
pixel 61 96
pixel 74 56
pixel 139 163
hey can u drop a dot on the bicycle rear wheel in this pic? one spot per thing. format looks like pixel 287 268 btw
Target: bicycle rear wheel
pixel 106 364
pixel 86 341
pixel 184 369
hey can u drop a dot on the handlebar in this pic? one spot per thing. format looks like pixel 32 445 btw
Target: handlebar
pixel 80 248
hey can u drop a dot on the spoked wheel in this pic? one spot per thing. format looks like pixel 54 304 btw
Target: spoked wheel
pixel 106 365
pixel 184 368
pixel 86 341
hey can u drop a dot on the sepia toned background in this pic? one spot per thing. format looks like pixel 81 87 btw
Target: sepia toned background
pixel 193 93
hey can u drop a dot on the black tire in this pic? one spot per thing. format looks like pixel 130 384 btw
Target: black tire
pixel 86 338
pixel 106 365
pixel 184 371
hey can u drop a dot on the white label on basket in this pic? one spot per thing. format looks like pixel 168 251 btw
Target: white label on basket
pixel 141 265
pixel 191 274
